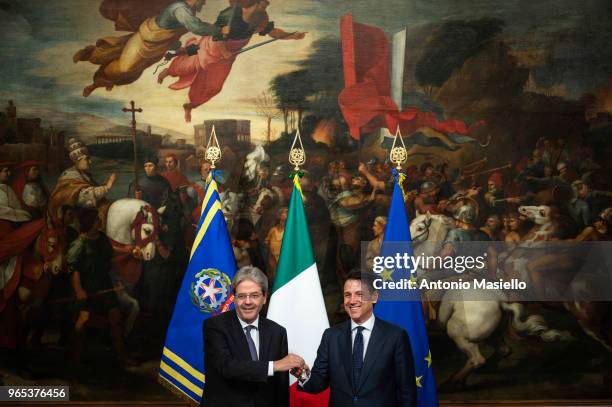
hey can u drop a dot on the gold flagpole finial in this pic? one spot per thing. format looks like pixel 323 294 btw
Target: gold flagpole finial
pixel 213 151
pixel 297 154
pixel 398 154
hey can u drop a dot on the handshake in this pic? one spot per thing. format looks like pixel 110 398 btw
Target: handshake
pixel 295 365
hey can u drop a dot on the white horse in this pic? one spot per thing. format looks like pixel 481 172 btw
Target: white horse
pixel 431 229
pixel 134 222
pixel 264 198
pixel 133 227
pixel 470 323
pixel 542 217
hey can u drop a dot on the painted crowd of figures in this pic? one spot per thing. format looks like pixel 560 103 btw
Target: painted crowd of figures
pixel 72 257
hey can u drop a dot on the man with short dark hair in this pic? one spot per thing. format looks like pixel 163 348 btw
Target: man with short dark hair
pixel 246 355
pixel 152 188
pixel 365 361
pixel 173 174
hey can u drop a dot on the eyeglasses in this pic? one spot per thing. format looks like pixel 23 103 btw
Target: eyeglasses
pixel 253 296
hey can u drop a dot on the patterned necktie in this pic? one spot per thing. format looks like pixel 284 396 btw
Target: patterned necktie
pixel 252 348
pixel 357 356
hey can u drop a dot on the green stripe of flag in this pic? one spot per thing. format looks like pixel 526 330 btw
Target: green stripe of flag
pixel 296 250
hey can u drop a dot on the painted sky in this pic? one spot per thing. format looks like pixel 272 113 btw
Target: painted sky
pixel 38 39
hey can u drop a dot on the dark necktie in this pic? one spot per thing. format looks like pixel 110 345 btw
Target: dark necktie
pixel 357 356
pixel 252 348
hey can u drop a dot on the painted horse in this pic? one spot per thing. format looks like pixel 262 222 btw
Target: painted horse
pixel 563 270
pixel 133 228
pixel 471 323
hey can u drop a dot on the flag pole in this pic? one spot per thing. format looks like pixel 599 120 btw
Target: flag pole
pixel 212 154
pixel 213 151
pixel 297 158
pixel 398 154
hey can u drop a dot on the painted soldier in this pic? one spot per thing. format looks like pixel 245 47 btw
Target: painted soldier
pixel 89 263
pixel 427 200
pixel 534 168
pixel 346 212
pixel 464 230
pixel 494 199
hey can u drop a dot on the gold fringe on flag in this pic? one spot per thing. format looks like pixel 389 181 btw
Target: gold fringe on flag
pixel 176 391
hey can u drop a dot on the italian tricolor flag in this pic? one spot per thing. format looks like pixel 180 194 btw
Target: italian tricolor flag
pixel 297 301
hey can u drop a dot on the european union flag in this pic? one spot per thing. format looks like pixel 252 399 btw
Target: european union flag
pixel 205 291
pixel 407 311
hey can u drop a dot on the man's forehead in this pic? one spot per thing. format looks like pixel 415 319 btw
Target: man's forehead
pixel 352 285
pixel 247 284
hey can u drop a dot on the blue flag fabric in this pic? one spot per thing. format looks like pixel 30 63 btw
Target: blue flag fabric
pixel 407 312
pixel 205 291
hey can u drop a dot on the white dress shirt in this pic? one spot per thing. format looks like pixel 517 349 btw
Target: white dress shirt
pixel 255 336
pixel 367 332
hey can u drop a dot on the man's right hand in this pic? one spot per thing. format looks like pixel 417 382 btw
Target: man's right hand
pixel 225 30
pixel 288 362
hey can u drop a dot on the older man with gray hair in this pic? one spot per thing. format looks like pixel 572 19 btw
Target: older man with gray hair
pixel 245 354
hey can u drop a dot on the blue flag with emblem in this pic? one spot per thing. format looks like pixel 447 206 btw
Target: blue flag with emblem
pixel 205 291
pixel 406 310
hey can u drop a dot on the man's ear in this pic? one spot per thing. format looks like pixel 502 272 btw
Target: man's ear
pixel 374 297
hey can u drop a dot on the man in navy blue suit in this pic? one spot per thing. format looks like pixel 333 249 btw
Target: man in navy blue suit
pixel 365 361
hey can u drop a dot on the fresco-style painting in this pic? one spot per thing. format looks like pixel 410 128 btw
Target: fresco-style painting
pixel 505 109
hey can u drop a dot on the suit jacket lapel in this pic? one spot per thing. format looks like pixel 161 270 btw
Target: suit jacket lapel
pixel 375 344
pixel 264 339
pixel 238 333
pixel 347 344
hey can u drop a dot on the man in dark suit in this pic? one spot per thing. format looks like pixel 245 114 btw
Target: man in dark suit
pixel 245 355
pixel 365 361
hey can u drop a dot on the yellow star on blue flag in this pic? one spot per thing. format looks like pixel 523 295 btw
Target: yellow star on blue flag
pixel 387 275
pixel 428 359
